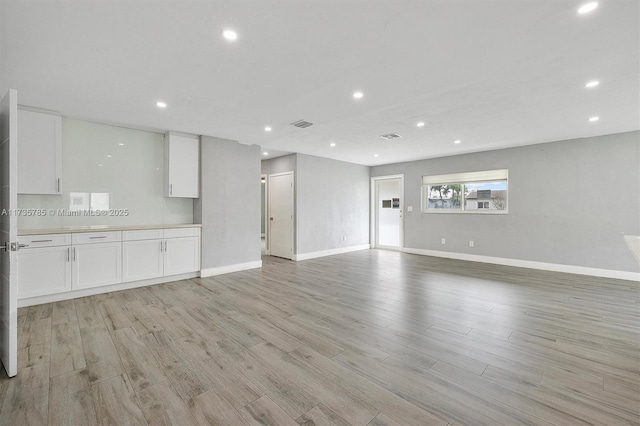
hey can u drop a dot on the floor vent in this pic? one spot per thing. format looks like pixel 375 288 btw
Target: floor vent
pixel 301 123
pixel 390 136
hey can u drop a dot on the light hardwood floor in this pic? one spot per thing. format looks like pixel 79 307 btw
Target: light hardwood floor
pixel 365 338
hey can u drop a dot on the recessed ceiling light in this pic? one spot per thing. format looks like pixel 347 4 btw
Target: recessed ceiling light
pixel 588 7
pixel 591 84
pixel 332 144
pixel 458 141
pixel 358 95
pixel 157 168
pixel 265 153
pixel 161 104
pixel 99 165
pixel 376 155
pixel 121 144
pixel 267 129
pixel 230 35
pixel 593 119
pixel 108 155
pixel 420 124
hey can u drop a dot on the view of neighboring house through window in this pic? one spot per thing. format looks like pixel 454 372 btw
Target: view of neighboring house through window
pixel 469 192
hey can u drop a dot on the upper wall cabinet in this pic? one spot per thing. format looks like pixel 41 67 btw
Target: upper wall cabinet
pixel 181 165
pixel 39 152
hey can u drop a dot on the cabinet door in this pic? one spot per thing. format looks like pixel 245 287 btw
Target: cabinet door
pixel 142 260
pixel 95 265
pixel 44 271
pixel 181 255
pixel 39 153
pixel 182 164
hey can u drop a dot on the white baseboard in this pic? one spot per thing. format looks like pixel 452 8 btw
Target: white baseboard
pixel 37 300
pixel 544 266
pixel 314 254
pixel 230 268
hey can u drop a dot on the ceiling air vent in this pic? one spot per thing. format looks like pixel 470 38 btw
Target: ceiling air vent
pixel 390 136
pixel 301 123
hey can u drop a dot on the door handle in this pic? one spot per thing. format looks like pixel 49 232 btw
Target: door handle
pixel 74 254
pixel 68 254
pixel 165 245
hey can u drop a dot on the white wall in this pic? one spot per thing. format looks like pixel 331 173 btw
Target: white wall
pixel 133 177
pixel 570 203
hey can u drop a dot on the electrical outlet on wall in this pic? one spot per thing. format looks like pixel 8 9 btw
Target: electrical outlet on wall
pixel 443 241
pixel 471 243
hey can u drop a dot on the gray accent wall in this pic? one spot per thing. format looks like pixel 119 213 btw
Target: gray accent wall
pixel 332 201
pixel 229 204
pixel 570 202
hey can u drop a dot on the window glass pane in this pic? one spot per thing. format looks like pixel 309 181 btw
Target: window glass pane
pixel 447 196
pixel 485 195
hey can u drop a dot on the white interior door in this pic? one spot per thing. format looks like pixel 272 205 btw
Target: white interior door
pixel 388 212
pixel 9 232
pixel 280 203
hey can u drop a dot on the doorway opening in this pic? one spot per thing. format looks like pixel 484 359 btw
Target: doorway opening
pixel 263 223
pixel 280 217
pixel 387 206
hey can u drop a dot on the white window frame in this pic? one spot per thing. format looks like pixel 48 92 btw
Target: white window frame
pixel 464 178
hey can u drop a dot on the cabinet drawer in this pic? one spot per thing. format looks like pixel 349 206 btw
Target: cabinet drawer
pixel 96 237
pixel 45 240
pixel 181 232
pixel 142 234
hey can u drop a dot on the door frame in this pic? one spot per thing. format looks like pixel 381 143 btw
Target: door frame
pixel 373 237
pixel 266 212
pixel 293 206
pixel 9 308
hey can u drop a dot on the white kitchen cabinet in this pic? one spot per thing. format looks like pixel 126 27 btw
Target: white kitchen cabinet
pixel 68 262
pixel 181 255
pixel 43 271
pixel 181 165
pixel 39 152
pixel 96 265
pixel 142 260
pixel 177 253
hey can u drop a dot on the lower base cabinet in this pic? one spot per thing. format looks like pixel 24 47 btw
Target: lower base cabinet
pixel 142 260
pixel 96 265
pixel 157 258
pixel 66 262
pixel 43 271
pixel 181 255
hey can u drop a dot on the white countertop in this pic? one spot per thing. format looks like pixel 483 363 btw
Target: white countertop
pixel 97 228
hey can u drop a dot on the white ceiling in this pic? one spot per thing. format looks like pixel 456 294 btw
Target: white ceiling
pixel 492 73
